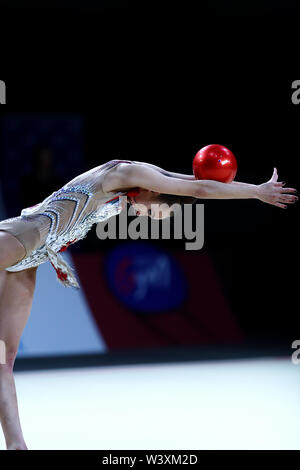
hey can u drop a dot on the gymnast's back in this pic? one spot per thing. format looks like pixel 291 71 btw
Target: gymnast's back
pixel 77 199
pixel 66 212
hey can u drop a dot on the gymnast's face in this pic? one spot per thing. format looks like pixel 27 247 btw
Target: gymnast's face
pixel 146 203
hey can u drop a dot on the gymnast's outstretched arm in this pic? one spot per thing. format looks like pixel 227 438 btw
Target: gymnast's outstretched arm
pixel 272 192
pixel 171 174
pixel 133 175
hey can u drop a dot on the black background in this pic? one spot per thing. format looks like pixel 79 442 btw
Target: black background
pixel 156 81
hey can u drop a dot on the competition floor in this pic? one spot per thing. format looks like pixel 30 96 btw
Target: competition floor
pixel 211 405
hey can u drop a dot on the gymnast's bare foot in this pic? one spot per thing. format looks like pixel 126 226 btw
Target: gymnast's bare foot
pixel 17 447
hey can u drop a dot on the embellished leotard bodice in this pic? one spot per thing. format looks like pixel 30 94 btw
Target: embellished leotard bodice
pixel 67 216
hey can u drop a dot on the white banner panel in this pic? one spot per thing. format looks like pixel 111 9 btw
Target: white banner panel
pixel 60 321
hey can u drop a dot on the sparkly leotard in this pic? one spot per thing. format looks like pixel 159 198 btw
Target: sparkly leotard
pixel 65 217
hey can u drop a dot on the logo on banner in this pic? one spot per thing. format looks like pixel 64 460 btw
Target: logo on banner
pixel 145 278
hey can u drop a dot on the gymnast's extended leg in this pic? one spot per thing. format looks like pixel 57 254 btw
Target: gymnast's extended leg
pixel 16 295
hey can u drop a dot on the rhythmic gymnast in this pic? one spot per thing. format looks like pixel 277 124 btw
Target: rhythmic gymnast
pixel 44 230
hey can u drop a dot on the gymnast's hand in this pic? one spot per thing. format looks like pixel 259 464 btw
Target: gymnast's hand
pixel 276 194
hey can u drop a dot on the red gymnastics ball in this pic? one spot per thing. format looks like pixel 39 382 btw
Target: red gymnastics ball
pixel 215 162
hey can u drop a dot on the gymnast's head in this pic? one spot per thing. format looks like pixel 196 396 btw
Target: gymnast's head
pixel 157 205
